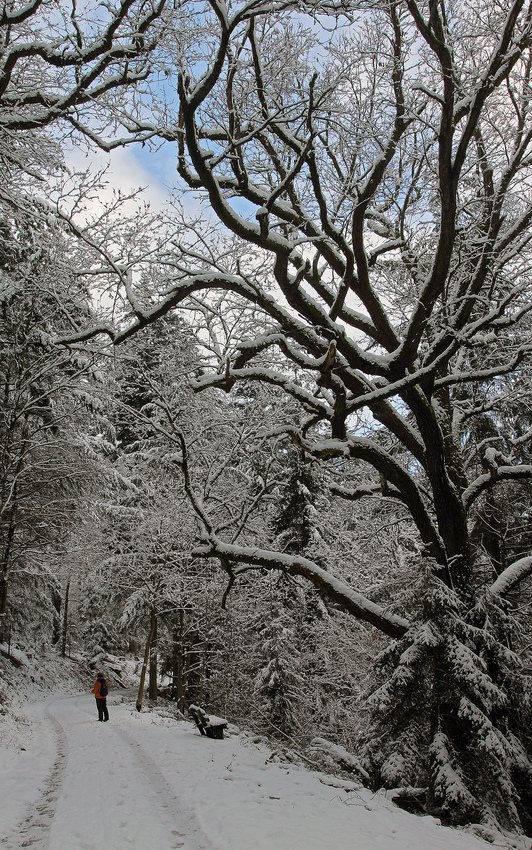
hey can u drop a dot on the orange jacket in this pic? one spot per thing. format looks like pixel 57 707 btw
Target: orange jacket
pixel 96 689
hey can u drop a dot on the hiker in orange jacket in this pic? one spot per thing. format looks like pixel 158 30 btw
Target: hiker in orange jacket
pixel 100 691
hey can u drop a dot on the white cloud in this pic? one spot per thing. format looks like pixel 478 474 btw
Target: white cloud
pixel 126 172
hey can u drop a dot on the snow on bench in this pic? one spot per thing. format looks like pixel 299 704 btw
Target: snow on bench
pixel 208 724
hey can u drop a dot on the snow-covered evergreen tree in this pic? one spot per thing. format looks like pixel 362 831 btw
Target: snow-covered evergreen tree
pixel 279 680
pixel 296 523
pixel 452 709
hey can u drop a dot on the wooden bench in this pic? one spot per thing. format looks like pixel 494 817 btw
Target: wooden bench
pixel 208 724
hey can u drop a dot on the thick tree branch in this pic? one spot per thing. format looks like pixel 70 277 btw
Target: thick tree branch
pixel 511 576
pixel 489 479
pixel 332 587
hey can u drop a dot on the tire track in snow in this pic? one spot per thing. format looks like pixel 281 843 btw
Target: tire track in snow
pixel 187 830
pixel 34 830
pixel 37 829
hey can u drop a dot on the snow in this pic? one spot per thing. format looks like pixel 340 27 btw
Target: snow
pixel 16 654
pixel 216 721
pixel 352 601
pixel 512 575
pixel 502 473
pixel 144 780
pixel 339 755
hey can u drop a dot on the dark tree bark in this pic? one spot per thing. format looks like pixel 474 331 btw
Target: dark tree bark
pixel 146 659
pixel 152 688
pixel 64 631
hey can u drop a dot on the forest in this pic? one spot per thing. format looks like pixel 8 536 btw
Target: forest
pixel 273 438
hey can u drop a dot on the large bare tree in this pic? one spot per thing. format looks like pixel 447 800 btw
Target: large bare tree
pixel 377 186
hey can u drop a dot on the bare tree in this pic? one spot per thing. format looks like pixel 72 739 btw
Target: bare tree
pixel 377 187
pixel 59 65
pixel 413 210
pixel 56 60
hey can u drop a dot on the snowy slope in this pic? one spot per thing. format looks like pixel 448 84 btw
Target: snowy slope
pixel 145 780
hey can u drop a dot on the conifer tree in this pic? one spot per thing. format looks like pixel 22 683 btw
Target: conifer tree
pixel 45 471
pixel 296 522
pixel 279 680
pixel 455 688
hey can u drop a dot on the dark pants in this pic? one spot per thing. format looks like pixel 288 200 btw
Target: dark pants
pixel 101 704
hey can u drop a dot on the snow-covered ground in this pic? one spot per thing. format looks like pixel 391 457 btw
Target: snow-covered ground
pixel 145 781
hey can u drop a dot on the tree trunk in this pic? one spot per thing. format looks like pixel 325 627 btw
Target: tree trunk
pixel 3 602
pixel 153 623
pixel 5 566
pixel 194 669
pixel 450 512
pixel 65 621
pixel 56 602
pixel 152 687
pixel 178 669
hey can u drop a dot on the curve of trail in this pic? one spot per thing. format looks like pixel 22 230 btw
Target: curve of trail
pixel 104 790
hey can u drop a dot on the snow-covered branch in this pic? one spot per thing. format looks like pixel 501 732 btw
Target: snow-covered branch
pixel 333 588
pixel 491 478
pixel 48 76
pixel 512 575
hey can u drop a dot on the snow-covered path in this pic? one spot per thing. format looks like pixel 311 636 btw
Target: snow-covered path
pixel 104 790
pixel 145 781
